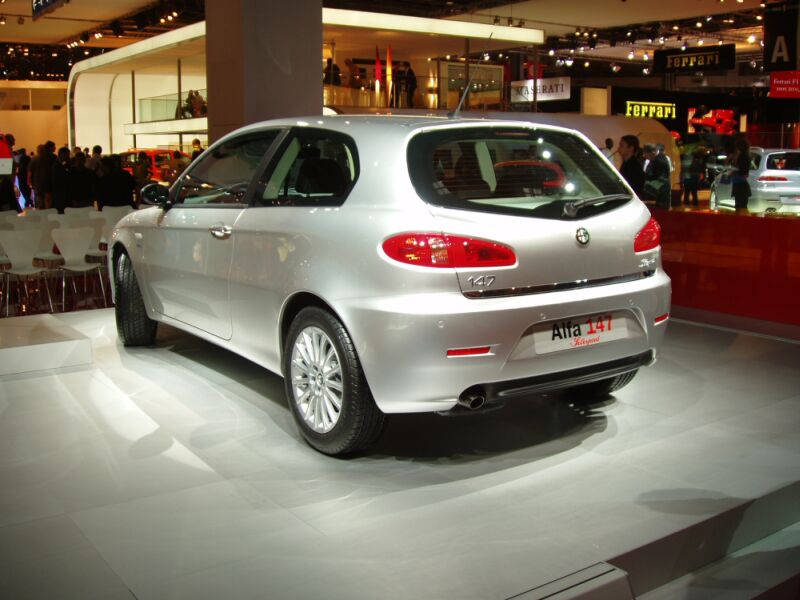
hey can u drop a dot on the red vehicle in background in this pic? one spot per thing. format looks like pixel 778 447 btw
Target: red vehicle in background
pixel 159 159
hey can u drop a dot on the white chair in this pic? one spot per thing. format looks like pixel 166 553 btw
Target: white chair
pixel 73 243
pixel 7 213
pixel 20 246
pixel 95 254
pixel 81 212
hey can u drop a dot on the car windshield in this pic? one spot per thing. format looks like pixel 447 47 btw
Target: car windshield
pixel 513 170
pixel 784 161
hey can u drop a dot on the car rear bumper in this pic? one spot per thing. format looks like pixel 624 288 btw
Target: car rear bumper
pixel 403 341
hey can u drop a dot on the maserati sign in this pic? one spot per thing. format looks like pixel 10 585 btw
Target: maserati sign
pixel 553 88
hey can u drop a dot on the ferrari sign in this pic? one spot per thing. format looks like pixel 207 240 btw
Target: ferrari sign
pixel 653 110
pixel 718 58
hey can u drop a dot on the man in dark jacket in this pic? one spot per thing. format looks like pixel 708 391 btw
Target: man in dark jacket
pixel 656 176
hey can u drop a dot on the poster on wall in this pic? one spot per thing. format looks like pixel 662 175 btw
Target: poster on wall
pixel 721 121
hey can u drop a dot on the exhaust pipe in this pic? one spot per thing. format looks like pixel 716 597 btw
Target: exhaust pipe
pixel 473 398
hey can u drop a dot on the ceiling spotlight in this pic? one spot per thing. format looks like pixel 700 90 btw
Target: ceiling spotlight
pixel 162 20
pixel 662 40
pixel 568 62
pixel 586 64
pixel 169 17
pixel 594 35
pixel 629 34
pixel 675 28
pixel 700 42
pixel 615 67
pixel 759 18
pixel 97 35
pixel 645 56
pixel 54 54
pixel 631 55
pixel 646 71
pixel 497 20
pixel 683 46
pixel 698 24
pixel 708 19
pixel 719 43
pixel 751 39
pixel 551 52
pixel 2 20
pixel 174 13
pixel 578 32
pixel 585 34
pixel 86 53
pixel 486 56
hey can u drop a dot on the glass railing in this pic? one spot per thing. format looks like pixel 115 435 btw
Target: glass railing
pixel 188 105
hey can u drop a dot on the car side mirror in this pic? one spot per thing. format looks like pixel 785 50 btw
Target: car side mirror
pixel 155 194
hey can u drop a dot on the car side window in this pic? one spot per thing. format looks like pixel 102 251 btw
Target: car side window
pixel 313 168
pixel 223 175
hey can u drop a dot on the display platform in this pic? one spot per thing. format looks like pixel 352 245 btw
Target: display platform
pixel 40 342
pixel 176 472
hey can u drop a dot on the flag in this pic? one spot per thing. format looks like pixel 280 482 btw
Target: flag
pixel 389 74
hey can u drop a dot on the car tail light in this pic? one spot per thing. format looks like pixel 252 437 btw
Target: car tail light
pixel 772 178
pixel 661 319
pixel 648 238
pixel 447 251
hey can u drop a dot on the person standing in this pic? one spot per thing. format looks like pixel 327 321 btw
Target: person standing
pixel 23 183
pixel 691 177
pixel 331 74
pixel 197 148
pixel 8 199
pixel 41 175
pixel 411 86
pixel 656 177
pixel 94 161
pixel 740 188
pixel 631 168
pixel 81 182
pixel 608 150
pixel 61 180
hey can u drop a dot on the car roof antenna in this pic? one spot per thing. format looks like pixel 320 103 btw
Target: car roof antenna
pixel 457 112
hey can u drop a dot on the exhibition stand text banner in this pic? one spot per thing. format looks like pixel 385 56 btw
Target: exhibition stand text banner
pixel 551 88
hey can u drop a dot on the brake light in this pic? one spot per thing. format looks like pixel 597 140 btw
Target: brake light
pixel 772 178
pixel 447 251
pixel 661 319
pixel 648 238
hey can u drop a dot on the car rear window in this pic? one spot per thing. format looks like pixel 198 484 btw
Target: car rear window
pixel 784 161
pixel 512 170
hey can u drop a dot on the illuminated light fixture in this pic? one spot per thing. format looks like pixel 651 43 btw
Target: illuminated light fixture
pixel 698 24
pixel 54 54
pixel 615 67
pixel 762 43
pixel 581 50
pixel 568 62
pixel 708 19
pixel 662 40
pixel 447 57
pixel 586 64
pixel 675 28
pixel 594 35
pixel 162 20
pixel 759 18
pixel 460 29
pixel 700 42
pixel 486 56
pixel 645 56
pixel 174 13
pixel 2 20
pixel 86 53
pixel 629 34
pixel 646 71
pixel 170 17
pixel 551 52
pixel 578 33
pixel 585 34
pixel 753 64
pixel 572 50
pixel 683 46
pixel 751 39
pixel 719 43
pixel 631 55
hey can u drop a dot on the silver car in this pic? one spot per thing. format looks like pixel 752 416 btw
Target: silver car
pixel 386 265
pixel 774 181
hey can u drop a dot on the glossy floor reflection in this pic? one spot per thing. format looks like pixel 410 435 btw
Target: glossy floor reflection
pixel 177 472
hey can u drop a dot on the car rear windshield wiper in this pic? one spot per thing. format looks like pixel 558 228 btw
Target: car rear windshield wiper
pixel 571 208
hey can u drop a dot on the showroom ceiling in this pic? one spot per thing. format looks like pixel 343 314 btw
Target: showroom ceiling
pixel 89 26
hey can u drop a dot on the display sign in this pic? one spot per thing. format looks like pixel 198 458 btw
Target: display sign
pixel 652 110
pixel 780 39
pixel 716 58
pixel 40 7
pixel 551 88
pixel 784 84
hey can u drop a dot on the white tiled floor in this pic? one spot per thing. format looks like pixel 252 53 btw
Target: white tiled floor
pixel 177 472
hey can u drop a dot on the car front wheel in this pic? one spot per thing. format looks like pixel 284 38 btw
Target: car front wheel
pixel 325 385
pixel 134 327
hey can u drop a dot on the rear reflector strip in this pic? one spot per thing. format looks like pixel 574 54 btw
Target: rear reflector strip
pixel 480 350
pixel 662 318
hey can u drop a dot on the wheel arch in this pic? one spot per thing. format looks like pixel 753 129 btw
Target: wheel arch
pixel 292 307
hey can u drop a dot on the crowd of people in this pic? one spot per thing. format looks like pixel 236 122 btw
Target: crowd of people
pixel 648 169
pixel 79 177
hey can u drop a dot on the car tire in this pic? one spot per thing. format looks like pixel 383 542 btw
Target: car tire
pixel 134 327
pixel 599 390
pixel 321 366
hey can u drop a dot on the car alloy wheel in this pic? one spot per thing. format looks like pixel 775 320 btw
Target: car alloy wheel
pixel 317 383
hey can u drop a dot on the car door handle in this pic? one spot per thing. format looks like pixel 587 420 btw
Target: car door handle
pixel 221 231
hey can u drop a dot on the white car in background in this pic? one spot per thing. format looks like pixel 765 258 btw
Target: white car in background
pixel 774 183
